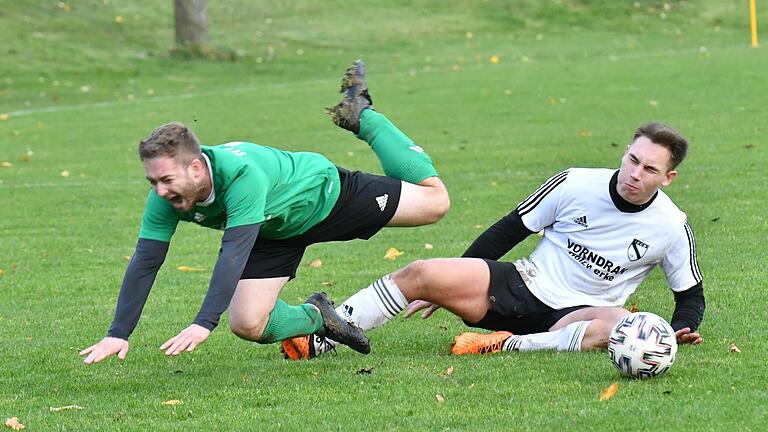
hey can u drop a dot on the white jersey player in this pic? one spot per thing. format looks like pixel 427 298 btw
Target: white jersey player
pixel 603 232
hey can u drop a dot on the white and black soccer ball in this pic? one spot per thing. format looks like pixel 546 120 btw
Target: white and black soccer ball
pixel 642 345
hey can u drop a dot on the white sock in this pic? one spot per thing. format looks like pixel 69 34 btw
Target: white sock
pixel 375 305
pixel 566 339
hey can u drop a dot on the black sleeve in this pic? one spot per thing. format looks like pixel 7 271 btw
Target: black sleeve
pixel 236 245
pixel 138 280
pixel 500 238
pixel 689 308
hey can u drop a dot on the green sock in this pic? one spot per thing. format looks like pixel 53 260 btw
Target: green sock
pixel 399 156
pixel 288 321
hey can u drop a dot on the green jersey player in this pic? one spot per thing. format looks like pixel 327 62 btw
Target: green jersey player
pixel 271 204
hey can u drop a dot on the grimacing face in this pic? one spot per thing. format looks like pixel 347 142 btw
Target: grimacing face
pixel 645 168
pixel 179 184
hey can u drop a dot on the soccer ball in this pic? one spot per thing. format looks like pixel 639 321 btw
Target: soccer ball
pixel 642 345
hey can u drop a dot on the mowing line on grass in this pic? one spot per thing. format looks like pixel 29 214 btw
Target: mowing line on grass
pixel 248 89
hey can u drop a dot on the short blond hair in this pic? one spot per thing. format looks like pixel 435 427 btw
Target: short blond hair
pixel 173 140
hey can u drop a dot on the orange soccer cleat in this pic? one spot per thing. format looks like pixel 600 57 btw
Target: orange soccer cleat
pixel 479 343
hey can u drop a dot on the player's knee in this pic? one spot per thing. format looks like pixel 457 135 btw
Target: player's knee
pixel 251 329
pixel 439 203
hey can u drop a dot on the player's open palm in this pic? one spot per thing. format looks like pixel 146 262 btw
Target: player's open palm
pixel 187 340
pixel 106 347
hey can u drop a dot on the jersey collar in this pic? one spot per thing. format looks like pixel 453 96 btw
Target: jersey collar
pixel 623 205
pixel 212 196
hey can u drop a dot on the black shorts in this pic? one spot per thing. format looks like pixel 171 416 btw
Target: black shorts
pixel 513 307
pixel 366 204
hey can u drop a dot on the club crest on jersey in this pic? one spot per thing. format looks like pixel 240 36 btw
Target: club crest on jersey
pixel 199 217
pixel 636 250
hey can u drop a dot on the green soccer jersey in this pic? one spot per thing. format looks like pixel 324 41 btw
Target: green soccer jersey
pixel 286 192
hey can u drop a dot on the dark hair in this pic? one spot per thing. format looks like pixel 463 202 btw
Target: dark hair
pixel 666 137
pixel 173 140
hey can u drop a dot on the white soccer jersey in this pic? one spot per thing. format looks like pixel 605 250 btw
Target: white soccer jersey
pixel 595 254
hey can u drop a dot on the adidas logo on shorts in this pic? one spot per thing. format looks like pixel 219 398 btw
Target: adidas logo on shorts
pixel 382 201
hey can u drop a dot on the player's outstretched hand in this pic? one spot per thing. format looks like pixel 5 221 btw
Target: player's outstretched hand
pixel 106 347
pixel 187 340
pixel 418 305
pixel 686 336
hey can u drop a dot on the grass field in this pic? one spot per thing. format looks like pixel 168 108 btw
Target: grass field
pixel 501 94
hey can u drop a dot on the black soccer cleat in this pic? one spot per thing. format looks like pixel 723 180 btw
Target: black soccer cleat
pixel 346 114
pixel 337 328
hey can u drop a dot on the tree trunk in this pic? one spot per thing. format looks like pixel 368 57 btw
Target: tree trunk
pixel 191 23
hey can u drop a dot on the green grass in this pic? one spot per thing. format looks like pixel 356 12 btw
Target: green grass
pixel 574 79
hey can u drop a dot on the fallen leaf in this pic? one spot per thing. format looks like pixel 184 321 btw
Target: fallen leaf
pixel 449 370
pixel 126 258
pixel 14 424
pixel 609 391
pixel 4 116
pixel 189 269
pixel 327 283
pixel 440 398
pixel 119 19
pixel 392 254
pixel 634 308
pixel 6 164
pixel 65 173
pixel 24 158
pixel 2 272
pixel 316 263
pixel 748 146
pixel 584 133
pixel 553 101
pixel 65 408
pixel 494 59
pixel 428 246
pixel 653 103
pixel 173 402
pixel 478 226
pixel 733 348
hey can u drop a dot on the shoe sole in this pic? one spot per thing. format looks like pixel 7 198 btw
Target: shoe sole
pixel 336 328
pixel 353 84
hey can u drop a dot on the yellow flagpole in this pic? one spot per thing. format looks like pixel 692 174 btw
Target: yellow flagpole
pixel 753 21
